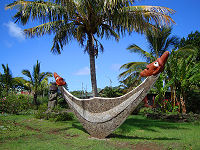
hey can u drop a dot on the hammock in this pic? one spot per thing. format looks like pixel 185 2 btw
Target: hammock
pixel 101 116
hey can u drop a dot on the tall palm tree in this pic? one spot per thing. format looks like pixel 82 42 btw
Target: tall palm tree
pixel 87 20
pixel 159 41
pixel 6 78
pixel 35 80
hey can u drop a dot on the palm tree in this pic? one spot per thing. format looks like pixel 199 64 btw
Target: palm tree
pixel 159 41
pixel 35 80
pixel 87 20
pixel 130 78
pixel 183 76
pixel 6 78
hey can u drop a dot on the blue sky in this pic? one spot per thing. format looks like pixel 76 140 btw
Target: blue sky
pixel 73 65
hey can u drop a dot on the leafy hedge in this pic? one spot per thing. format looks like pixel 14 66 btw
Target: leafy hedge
pixel 58 114
pixel 14 104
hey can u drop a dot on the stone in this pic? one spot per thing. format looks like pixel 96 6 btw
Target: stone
pixel 53 94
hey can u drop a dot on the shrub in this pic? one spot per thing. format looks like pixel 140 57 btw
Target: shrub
pixel 13 104
pixel 58 114
pixel 63 116
pixel 41 112
pixel 42 100
pixel 62 103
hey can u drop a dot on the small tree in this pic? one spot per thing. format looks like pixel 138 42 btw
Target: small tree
pixel 36 79
pixel 184 75
pixel 6 78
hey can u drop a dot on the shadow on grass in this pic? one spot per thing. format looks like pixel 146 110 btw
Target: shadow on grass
pixel 79 127
pixel 138 123
pixel 149 125
pixel 139 138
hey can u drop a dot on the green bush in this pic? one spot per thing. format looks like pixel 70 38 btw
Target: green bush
pixel 42 100
pixel 63 116
pixel 62 103
pixel 58 114
pixel 40 114
pixel 14 104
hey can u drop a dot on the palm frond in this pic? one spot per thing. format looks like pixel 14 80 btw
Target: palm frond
pixel 136 49
pixel 28 74
pixel 132 69
pixel 152 14
pixel 40 10
pixel 63 35
pixel 44 75
pixel 50 27
pixel 107 31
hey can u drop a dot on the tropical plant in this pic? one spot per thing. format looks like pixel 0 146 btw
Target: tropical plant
pixel 87 20
pixel 191 44
pixel 44 87
pixel 159 41
pixel 131 76
pixel 184 75
pixel 6 78
pixel 111 91
pixel 14 104
pixel 36 79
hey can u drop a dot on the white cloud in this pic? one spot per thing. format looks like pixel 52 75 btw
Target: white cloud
pixel 83 71
pixel 15 31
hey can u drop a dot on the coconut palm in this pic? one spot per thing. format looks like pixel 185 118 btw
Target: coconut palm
pixel 35 80
pixel 159 41
pixel 87 20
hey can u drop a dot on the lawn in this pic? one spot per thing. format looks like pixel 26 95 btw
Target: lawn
pixel 21 132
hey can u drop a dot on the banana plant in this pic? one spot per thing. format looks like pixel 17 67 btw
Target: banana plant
pixel 184 75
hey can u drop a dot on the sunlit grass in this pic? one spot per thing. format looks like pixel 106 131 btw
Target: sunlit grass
pixel 26 132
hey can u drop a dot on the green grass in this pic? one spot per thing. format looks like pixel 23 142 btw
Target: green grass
pixel 27 133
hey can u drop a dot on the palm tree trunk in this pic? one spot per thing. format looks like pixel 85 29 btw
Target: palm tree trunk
pixel 92 65
pixel 35 100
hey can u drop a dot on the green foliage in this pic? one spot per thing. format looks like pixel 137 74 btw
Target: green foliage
pixel 159 41
pixel 14 104
pixel 77 93
pixel 63 116
pixel 58 114
pixel 42 100
pixel 40 114
pixel 62 103
pixel 183 74
pixel 192 40
pixel 36 79
pixel 111 92
pixel 6 78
